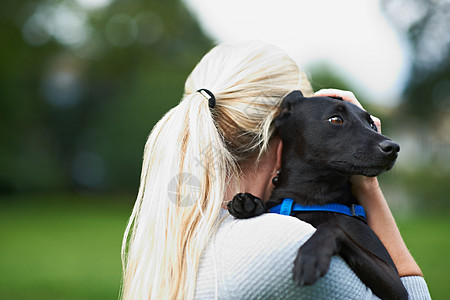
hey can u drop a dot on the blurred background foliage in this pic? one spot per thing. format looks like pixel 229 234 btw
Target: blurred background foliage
pixel 81 87
pixel 82 83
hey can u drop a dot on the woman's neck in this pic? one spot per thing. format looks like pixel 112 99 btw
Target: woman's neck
pixel 256 181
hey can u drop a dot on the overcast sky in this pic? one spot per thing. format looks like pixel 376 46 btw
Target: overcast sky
pixel 352 35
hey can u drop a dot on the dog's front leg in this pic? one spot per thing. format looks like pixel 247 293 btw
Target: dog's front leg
pixel 314 257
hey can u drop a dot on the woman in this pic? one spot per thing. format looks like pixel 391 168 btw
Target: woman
pixel 180 242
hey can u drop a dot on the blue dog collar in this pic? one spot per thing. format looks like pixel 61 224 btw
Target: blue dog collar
pixel 288 206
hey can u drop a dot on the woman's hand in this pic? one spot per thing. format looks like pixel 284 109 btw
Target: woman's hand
pixel 370 196
pixel 346 96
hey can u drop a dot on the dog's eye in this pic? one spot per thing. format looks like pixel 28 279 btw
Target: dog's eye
pixel 336 120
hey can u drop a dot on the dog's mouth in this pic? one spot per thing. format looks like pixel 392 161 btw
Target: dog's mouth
pixel 366 170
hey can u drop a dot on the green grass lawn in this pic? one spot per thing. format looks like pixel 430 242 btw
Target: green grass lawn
pixel 61 247
pixel 428 239
pixel 68 247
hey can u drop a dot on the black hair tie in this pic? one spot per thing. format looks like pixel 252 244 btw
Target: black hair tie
pixel 208 95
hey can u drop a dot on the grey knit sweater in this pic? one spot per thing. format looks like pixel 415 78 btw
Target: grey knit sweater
pixel 253 259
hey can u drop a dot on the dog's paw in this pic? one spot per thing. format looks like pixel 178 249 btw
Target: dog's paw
pixel 245 205
pixel 311 263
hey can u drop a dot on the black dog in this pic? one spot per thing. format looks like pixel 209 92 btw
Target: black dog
pixel 325 141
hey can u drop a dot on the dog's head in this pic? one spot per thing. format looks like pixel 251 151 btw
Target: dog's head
pixel 333 134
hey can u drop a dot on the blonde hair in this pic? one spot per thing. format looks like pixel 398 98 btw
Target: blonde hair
pixel 191 156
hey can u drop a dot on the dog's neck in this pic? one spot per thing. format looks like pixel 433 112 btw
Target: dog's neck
pixel 310 184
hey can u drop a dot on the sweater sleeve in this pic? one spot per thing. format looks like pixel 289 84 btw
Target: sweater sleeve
pixel 416 287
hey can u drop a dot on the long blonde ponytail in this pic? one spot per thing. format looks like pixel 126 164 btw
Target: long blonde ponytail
pixel 191 156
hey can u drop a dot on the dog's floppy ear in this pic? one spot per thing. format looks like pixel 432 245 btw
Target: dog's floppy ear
pixel 287 104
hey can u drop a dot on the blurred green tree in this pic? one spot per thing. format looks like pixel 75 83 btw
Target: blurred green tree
pixel 81 85
pixel 424 25
pixel 425 112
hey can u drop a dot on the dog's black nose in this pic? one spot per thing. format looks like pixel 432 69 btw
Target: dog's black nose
pixel 389 147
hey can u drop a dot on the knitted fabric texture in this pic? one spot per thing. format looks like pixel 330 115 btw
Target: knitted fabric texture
pixel 253 259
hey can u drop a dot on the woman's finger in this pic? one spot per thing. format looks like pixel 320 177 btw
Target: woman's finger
pixel 345 95
pixel 377 122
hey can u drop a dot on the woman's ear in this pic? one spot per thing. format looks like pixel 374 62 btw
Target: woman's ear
pixel 279 153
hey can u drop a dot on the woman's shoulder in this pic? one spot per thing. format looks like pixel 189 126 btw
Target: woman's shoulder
pixel 251 252
pixel 255 257
pixel 268 227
